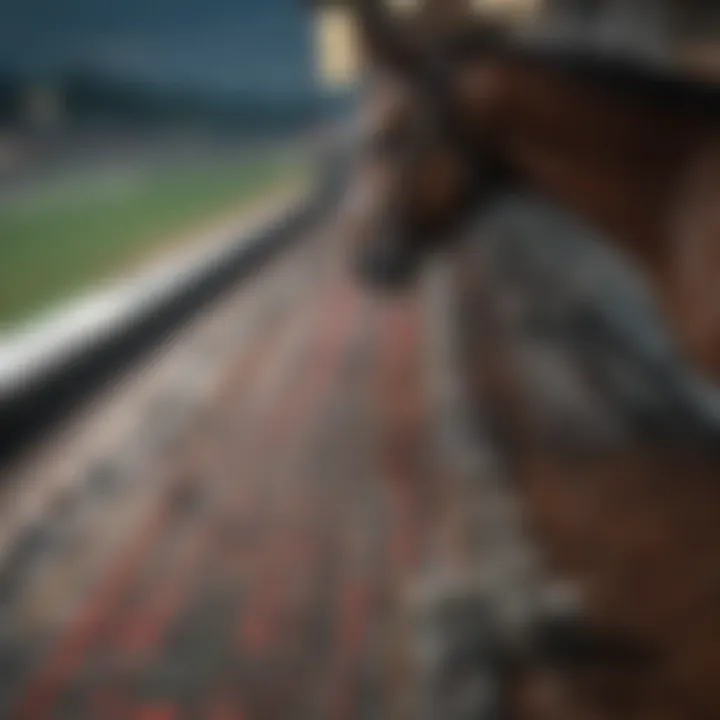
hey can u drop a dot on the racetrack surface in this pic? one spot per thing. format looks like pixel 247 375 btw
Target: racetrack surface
pixel 229 532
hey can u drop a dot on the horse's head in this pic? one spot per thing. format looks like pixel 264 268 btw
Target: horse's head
pixel 411 181
pixel 417 173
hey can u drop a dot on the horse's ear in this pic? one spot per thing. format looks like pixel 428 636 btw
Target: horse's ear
pixel 387 40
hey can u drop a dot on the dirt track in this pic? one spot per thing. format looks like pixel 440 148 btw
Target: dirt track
pixel 229 533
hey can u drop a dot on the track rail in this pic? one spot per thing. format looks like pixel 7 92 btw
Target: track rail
pixel 35 404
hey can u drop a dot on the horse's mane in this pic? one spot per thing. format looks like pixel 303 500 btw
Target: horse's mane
pixel 655 82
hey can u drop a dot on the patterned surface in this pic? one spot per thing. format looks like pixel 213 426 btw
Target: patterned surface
pixel 242 555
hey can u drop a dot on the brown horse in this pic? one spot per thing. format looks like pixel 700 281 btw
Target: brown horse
pixel 634 151
pixel 457 118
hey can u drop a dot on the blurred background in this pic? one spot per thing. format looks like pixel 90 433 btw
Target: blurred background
pixel 126 125
pixel 241 521
pixel 99 102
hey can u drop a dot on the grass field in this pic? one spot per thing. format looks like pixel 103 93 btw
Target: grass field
pixel 52 246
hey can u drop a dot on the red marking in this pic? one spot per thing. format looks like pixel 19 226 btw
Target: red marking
pixel 260 626
pixel 399 391
pixel 68 655
pixel 357 604
pixel 256 633
pixel 156 712
pixel 143 631
pixel 223 708
pixel 405 543
pixel 110 704
pixel 352 629
pixel 270 613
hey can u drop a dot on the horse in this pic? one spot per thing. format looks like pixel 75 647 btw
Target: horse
pixel 634 150
pixel 461 114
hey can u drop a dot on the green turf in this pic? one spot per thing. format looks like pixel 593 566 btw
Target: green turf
pixel 53 246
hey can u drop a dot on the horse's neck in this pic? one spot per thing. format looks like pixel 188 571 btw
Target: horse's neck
pixel 650 178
